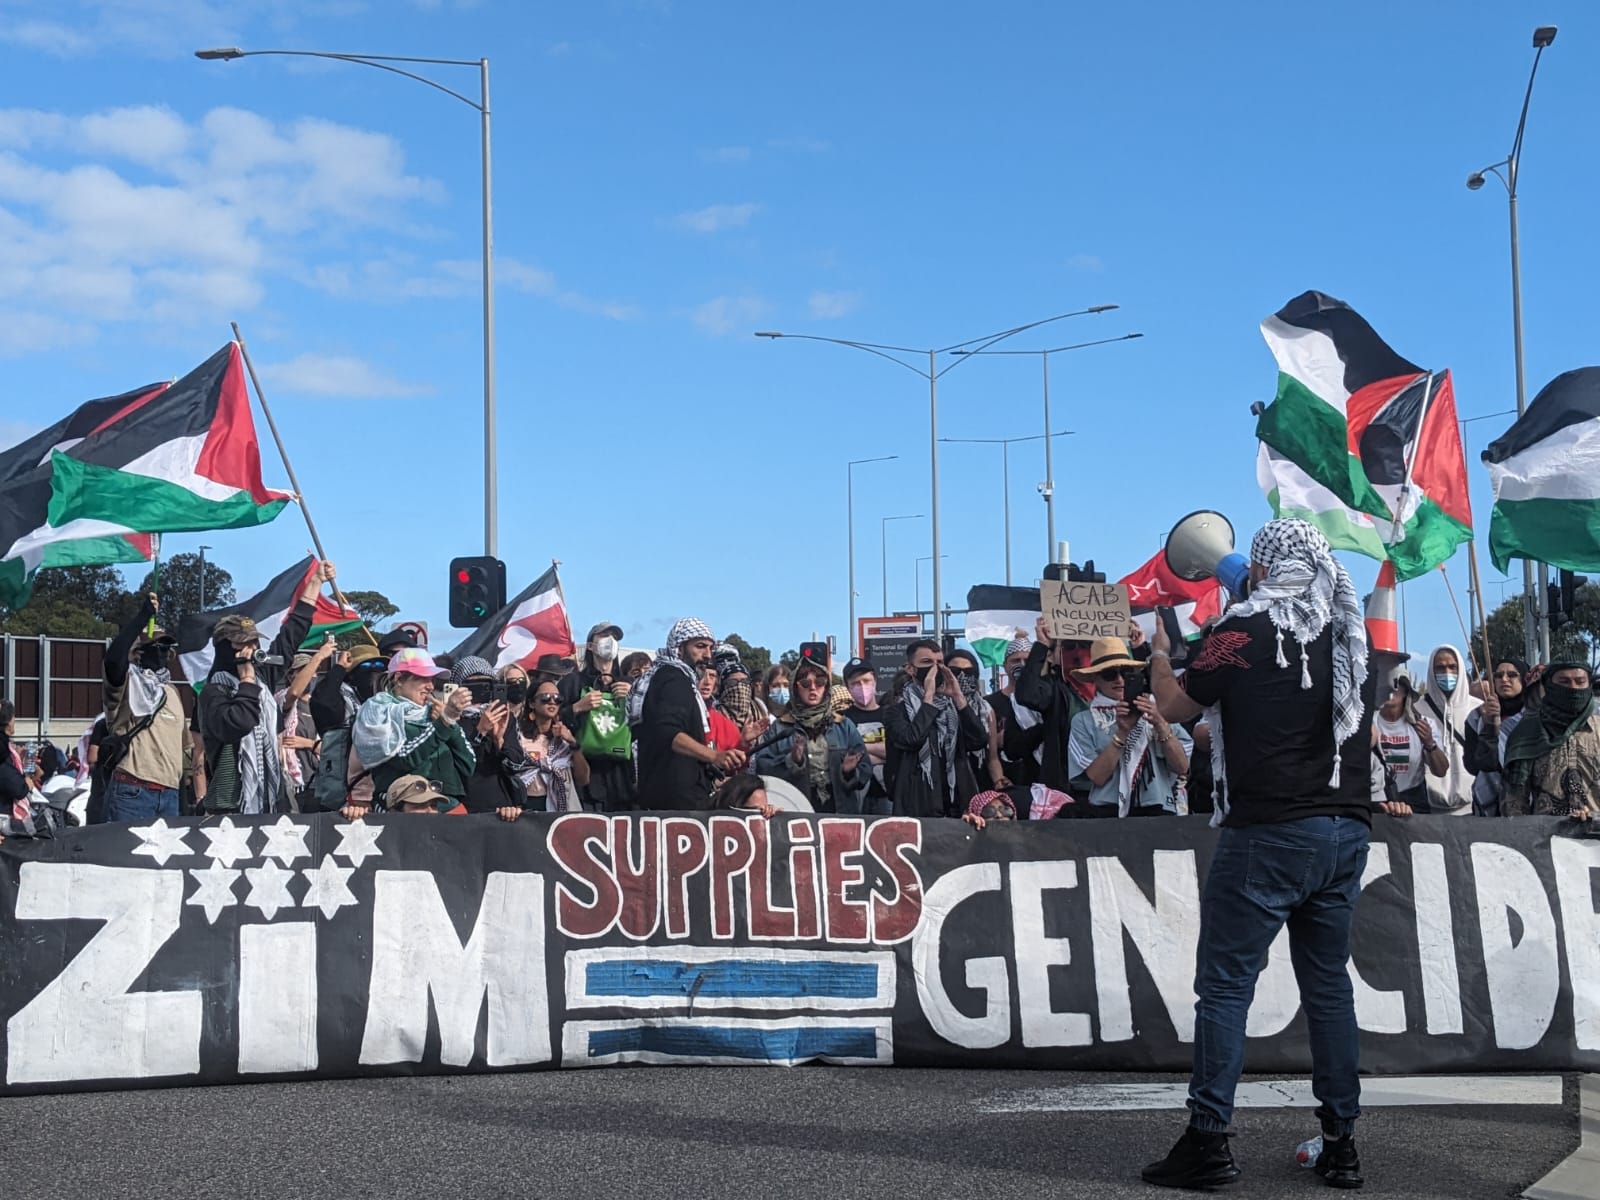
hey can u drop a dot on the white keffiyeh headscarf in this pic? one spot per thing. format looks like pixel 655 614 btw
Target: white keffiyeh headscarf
pixel 685 629
pixel 1305 591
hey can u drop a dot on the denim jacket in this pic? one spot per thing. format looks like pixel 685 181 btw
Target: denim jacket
pixel 773 755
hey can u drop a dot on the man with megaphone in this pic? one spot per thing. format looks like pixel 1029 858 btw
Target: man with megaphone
pixel 1280 679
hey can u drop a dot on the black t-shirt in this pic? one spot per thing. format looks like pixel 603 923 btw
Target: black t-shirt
pixel 1278 736
pixel 668 779
pixel 870 723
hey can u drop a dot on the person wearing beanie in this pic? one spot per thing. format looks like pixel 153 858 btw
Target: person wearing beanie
pixel 237 716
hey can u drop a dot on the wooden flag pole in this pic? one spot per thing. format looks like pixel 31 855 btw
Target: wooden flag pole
pixel 1483 607
pixel 277 438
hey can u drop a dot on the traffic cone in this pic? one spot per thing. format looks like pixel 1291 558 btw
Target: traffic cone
pixel 1383 629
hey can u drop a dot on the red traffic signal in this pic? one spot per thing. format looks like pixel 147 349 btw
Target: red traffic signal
pixel 477 590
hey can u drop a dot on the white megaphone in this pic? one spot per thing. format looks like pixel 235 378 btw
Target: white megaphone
pixel 1201 546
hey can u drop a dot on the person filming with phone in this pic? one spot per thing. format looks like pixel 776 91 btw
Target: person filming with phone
pixel 237 716
pixel 1133 760
pixel 932 733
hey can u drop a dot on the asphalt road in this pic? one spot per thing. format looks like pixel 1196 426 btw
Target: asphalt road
pixel 708 1133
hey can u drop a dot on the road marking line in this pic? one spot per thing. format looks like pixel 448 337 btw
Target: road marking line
pixel 1376 1092
pixel 1577 1177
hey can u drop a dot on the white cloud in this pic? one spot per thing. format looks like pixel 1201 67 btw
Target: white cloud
pixel 342 376
pixel 726 154
pixel 193 229
pixel 827 305
pixel 402 277
pixel 31 332
pixel 1086 262
pixel 729 314
pixel 716 217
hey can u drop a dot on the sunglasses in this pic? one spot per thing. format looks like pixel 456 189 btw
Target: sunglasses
pixel 547 698
pixel 1111 676
pixel 419 791
pixel 1511 674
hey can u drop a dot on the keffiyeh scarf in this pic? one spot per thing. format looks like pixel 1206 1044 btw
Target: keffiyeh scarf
pixel 1135 770
pixel 380 731
pixel 145 688
pixel 686 629
pixel 260 771
pixel 1305 591
pixel 945 732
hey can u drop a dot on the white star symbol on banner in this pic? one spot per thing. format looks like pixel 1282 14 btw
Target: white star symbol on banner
pixel 357 842
pixel 330 887
pixel 215 892
pixel 229 842
pixel 269 888
pixel 286 841
pixel 161 841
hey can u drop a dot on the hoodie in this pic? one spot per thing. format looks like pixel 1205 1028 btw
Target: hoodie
pixel 1450 794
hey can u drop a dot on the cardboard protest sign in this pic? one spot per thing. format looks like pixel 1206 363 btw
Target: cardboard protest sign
pixel 1081 612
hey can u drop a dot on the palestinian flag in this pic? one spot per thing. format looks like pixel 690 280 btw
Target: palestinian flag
pixel 996 615
pixel 532 624
pixel 1349 418
pixel 160 459
pixel 267 608
pixel 1546 475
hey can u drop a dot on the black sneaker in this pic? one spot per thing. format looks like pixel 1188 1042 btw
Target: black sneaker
pixel 1339 1164
pixel 1200 1162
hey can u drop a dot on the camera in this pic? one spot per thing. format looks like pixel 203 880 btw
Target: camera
pixel 261 658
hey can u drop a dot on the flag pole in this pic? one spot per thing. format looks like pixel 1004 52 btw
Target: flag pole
pixel 1411 460
pixel 283 453
pixel 1464 633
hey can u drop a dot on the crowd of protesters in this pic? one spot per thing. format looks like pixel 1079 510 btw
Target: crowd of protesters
pixel 1072 731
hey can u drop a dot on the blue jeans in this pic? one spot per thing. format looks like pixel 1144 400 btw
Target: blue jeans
pixel 129 802
pixel 1306 874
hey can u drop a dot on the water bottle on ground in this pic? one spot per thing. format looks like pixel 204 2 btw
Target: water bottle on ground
pixel 1306 1153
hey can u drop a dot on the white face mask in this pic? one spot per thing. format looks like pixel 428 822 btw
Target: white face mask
pixel 605 649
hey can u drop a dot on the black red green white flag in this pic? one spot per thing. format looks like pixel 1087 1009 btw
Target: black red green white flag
pixel 160 459
pixel 532 624
pixel 267 608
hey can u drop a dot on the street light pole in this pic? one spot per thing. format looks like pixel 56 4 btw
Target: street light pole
pixel 917 571
pixel 1535 627
pixel 203 550
pixel 932 374
pixel 1048 487
pixel 850 518
pixel 883 540
pixel 1005 445
pixel 382 62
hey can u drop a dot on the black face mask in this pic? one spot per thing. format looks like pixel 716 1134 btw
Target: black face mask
pixel 154 657
pixel 516 693
pixel 364 681
pixel 921 673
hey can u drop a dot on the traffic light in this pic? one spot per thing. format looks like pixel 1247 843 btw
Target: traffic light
pixel 1563 598
pixel 1073 573
pixel 814 652
pixel 477 590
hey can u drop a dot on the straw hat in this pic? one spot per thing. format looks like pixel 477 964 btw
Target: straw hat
pixel 1108 654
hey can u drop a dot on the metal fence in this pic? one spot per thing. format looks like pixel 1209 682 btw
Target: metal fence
pixel 53 680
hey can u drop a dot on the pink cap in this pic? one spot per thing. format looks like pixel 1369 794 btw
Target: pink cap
pixel 414 662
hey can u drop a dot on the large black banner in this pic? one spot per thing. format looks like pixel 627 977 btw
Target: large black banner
pixel 240 949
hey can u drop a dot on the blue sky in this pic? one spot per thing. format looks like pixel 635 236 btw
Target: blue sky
pixel 670 177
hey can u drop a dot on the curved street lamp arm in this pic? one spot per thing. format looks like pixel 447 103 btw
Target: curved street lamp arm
pixel 990 339
pixel 868 347
pixel 381 62
pixel 1522 122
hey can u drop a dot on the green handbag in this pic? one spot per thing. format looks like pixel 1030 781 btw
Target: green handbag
pixel 605 732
